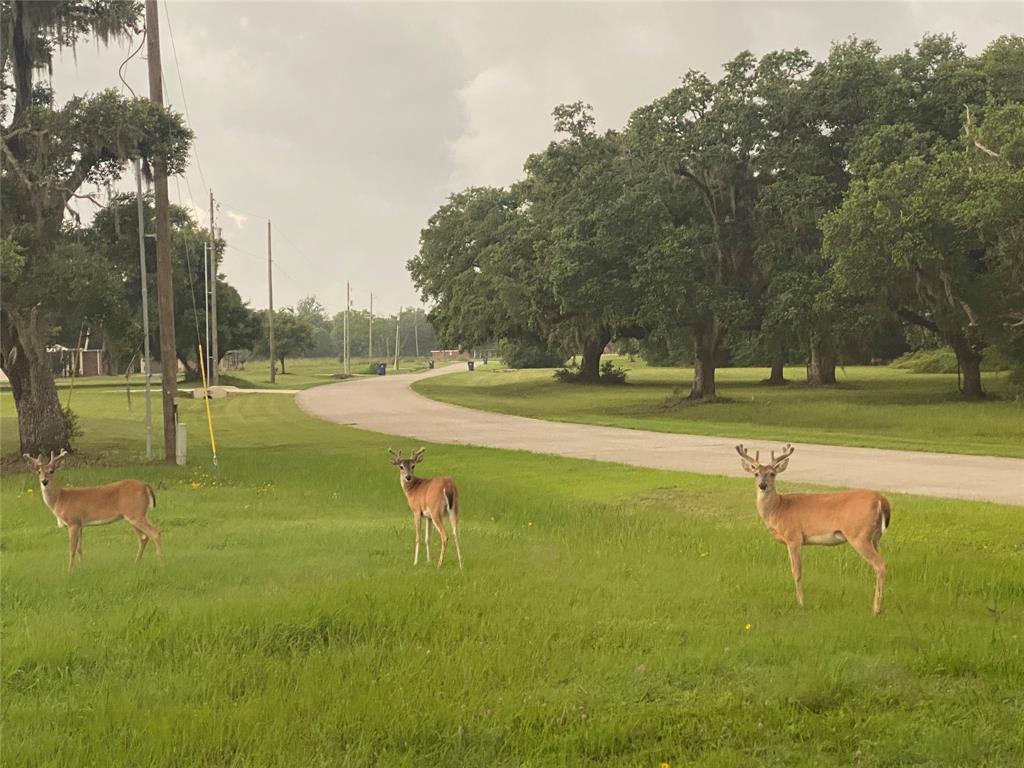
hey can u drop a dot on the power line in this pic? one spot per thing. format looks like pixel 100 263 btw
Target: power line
pixel 184 99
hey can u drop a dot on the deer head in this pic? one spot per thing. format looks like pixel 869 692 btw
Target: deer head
pixel 44 468
pixel 406 466
pixel 765 473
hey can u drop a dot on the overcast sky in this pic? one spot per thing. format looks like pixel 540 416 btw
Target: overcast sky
pixel 349 124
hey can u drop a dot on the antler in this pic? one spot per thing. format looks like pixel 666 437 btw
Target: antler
pixel 31 459
pixel 786 453
pixel 395 457
pixel 58 458
pixel 743 453
pixel 417 457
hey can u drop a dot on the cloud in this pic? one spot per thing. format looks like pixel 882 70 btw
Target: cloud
pixel 239 219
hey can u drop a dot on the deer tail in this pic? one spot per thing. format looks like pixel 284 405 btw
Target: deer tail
pixel 886 510
pixel 152 496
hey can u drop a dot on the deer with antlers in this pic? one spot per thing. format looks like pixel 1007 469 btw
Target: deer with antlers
pixel 76 508
pixel 430 499
pixel 857 517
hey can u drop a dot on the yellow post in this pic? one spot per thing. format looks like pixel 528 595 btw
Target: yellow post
pixel 206 398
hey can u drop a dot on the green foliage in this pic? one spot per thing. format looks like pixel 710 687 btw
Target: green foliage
pixel 610 373
pixel 942 360
pixel 528 353
pixel 72 424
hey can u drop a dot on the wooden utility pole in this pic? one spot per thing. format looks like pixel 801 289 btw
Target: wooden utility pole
pixel 214 346
pixel 344 341
pixel 369 345
pixel 164 272
pixel 270 312
pixel 416 331
pixel 398 324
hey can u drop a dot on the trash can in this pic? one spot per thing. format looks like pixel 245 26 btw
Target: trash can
pixel 470 364
pixel 381 369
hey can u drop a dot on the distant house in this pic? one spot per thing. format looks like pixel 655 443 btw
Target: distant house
pixel 67 361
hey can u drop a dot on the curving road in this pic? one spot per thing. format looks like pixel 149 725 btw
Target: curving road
pixel 387 404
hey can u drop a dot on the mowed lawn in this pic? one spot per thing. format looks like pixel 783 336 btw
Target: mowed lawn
pixel 606 616
pixel 871 406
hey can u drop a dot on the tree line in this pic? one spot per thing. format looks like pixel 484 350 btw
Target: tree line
pixel 790 210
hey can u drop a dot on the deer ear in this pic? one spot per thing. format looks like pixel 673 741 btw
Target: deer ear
pixel 31 460
pixel 418 456
pixel 781 466
pixel 748 467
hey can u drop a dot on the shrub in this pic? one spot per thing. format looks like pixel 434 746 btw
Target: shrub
pixel 525 353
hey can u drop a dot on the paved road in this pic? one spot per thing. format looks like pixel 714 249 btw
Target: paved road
pixel 388 405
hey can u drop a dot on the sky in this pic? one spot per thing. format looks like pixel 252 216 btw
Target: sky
pixel 349 124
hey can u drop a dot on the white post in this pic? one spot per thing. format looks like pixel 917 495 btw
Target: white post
pixel 145 308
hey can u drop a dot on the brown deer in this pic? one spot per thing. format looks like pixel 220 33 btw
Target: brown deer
pixel 857 517
pixel 430 499
pixel 76 508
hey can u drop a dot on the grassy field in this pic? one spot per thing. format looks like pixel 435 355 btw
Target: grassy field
pixel 871 406
pixel 303 373
pixel 606 616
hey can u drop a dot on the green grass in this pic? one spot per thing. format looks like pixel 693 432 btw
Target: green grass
pixel 871 406
pixel 601 618
pixel 303 373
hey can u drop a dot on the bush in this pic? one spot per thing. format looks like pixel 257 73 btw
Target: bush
pixel 71 423
pixel 610 374
pixel 943 360
pixel 524 353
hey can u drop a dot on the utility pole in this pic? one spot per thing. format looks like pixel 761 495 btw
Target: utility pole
pixel 370 344
pixel 164 273
pixel 416 331
pixel 214 355
pixel 398 324
pixel 206 305
pixel 344 336
pixel 145 308
pixel 270 312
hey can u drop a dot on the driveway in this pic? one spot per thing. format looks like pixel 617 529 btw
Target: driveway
pixel 387 404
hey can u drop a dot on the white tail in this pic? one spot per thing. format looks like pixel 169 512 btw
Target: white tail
pixel 76 508
pixel 430 499
pixel 855 517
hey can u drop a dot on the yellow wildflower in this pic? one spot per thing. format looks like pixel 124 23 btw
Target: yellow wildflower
pixel 747 626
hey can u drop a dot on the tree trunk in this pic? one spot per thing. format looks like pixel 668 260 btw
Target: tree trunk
pixel 705 350
pixel 969 360
pixel 41 424
pixel 822 368
pixel 776 378
pixel 590 365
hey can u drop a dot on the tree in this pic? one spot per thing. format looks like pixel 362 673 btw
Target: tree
pixel 49 152
pixel 586 219
pixel 293 334
pixel 113 237
pixel 471 265
pixel 932 222
pixel 707 137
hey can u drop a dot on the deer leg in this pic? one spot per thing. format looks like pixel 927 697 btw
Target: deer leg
pixel 416 526
pixel 796 566
pixel 143 541
pixel 81 535
pixel 74 531
pixel 455 535
pixel 867 550
pixel 426 534
pixel 151 532
pixel 439 524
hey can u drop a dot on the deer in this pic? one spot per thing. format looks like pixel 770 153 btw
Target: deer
pixel 76 508
pixel 430 499
pixel 857 517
